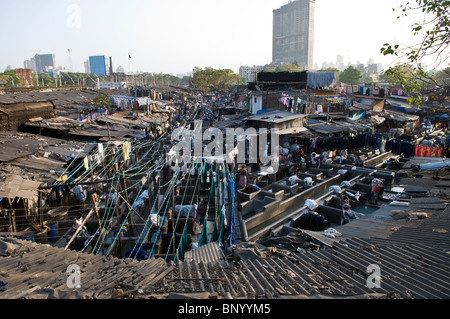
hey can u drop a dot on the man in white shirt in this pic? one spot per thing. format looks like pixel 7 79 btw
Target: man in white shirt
pixel 294 179
pixel 308 181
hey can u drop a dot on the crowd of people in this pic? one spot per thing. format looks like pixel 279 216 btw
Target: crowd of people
pixel 296 155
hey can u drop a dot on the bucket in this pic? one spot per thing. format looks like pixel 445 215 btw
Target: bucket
pixel 41 237
pixel 52 233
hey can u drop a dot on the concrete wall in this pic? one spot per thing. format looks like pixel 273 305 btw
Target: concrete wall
pixel 282 207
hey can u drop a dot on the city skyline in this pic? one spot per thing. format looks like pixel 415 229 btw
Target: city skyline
pixel 182 36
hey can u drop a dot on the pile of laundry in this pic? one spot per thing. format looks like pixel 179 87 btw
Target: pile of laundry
pixel 331 233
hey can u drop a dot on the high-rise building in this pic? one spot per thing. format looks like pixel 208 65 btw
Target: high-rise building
pixel 98 65
pixel 87 69
pixel 293 33
pixel 28 64
pixel 41 63
pixel 111 70
pixel 248 73
pixel 340 62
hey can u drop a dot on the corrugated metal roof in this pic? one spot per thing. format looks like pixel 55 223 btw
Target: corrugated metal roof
pixel 40 271
pixel 410 271
pixel 275 117
pixel 209 253
pixel 413 260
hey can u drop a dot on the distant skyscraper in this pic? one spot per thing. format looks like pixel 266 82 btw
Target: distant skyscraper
pixel 98 65
pixel 293 33
pixel 27 64
pixel 41 63
pixel 248 73
pixel 111 70
pixel 340 62
pixel 87 69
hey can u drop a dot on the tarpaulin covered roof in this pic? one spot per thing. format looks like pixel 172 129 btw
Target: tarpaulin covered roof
pixel 15 186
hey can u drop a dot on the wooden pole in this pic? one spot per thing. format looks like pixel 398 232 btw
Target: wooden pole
pixel 109 132
pixel 40 210
pixel 94 202
pixel 13 215
pixel 79 228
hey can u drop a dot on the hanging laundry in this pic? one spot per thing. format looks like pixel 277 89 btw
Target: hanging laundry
pixel 100 153
pixel 428 151
pixel 183 246
pixel 126 149
pixel 317 80
pixel 86 163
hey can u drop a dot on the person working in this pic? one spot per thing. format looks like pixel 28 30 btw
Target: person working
pixel 76 224
pixel 350 214
pixel 376 186
pixel 242 176
pixel 308 181
pixel 294 179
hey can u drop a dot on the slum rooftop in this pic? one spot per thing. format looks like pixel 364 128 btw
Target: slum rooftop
pixel 413 255
pixel 49 128
pixel 414 260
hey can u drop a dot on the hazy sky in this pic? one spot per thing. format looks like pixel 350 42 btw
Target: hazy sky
pixel 174 36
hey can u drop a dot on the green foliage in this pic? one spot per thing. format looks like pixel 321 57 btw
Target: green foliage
pixel 46 80
pixel 350 76
pixel 161 79
pixel 287 67
pixel 10 78
pixel 209 79
pixel 433 31
pixel 443 77
pixel 411 79
pixel 102 100
pixel 434 35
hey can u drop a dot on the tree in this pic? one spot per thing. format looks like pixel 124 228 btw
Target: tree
pixel 386 78
pixel 46 80
pixel 287 67
pixel 102 100
pixel 350 76
pixel 10 78
pixel 410 79
pixel 434 40
pixel 433 32
pixel 443 77
pixel 209 79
